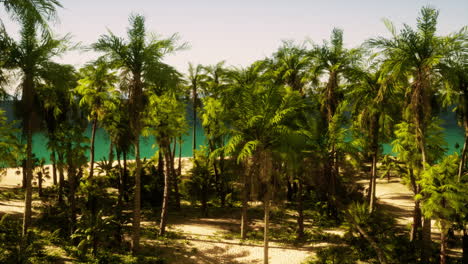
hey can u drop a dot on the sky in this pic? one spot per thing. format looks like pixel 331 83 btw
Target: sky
pixel 241 31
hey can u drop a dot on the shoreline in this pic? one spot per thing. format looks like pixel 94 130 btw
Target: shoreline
pixel 13 177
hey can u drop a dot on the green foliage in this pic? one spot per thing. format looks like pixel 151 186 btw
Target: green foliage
pixel 406 146
pixel 442 196
pixel 380 227
pixel 96 89
pixel 166 119
pixel 335 255
pixel 10 147
pixel 10 235
pixel 200 186
pixel 152 183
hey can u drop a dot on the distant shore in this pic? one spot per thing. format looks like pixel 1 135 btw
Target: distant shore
pixel 13 177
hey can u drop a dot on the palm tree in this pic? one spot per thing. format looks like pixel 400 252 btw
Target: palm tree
pixel 166 120
pixel 136 57
pixel 415 54
pixel 31 56
pixel 292 66
pixel 57 101
pixel 39 10
pixel 261 110
pixel 96 88
pixel 241 79
pixel 371 93
pixel 196 80
pixel 333 61
pixel 214 121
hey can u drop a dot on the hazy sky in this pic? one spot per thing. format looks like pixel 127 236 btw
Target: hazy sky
pixel 242 31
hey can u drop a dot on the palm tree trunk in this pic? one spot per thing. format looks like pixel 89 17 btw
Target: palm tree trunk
pixel 179 172
pixel 28 195
pixel 54 167
pixel 300 210
pixel 426 229
pixel 61 176
pixel 217 178
pixel 443 242
pixel 373 183
pixel 194 139
pixel 375 152
pixel 124 177
pixel 465 245
pixel 245 199
pixel 164 209
pixel 91 151
pixel 25 177
pixel 137 199
pixel 71 198
pixel 175 179
pixel 119 200
pixel 461 167
pixel 267 225
pixel 111 153
pixel 39 183
pixel 426 239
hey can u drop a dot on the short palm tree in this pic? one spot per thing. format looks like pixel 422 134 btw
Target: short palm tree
pixel 333 62
pixel 259 129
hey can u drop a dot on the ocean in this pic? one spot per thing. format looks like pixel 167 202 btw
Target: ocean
pixel 452 132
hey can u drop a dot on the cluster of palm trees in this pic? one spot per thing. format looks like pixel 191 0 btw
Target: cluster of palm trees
pixel 303 119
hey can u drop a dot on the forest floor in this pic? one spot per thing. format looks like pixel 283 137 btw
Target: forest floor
pixel 193 239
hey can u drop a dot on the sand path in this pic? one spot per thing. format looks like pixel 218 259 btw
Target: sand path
pixel 203 241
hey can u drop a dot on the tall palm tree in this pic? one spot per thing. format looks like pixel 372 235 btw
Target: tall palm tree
pixel 31 55
pixel 57 100
pixel 415 54
pixel 196 81
pixel 259 129
pixel 241 79
pixel 136 57
pixel 371 93
pixel 333 62
pixel 214 118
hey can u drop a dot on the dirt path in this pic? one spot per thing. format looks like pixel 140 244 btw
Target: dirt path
pixel 204 236
pixel 396 198
pixel 202 239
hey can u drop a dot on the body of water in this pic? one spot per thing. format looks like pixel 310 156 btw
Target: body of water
pixel 453 136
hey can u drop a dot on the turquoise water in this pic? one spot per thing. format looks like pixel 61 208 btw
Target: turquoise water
pixel 453 136
pixel 147 144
